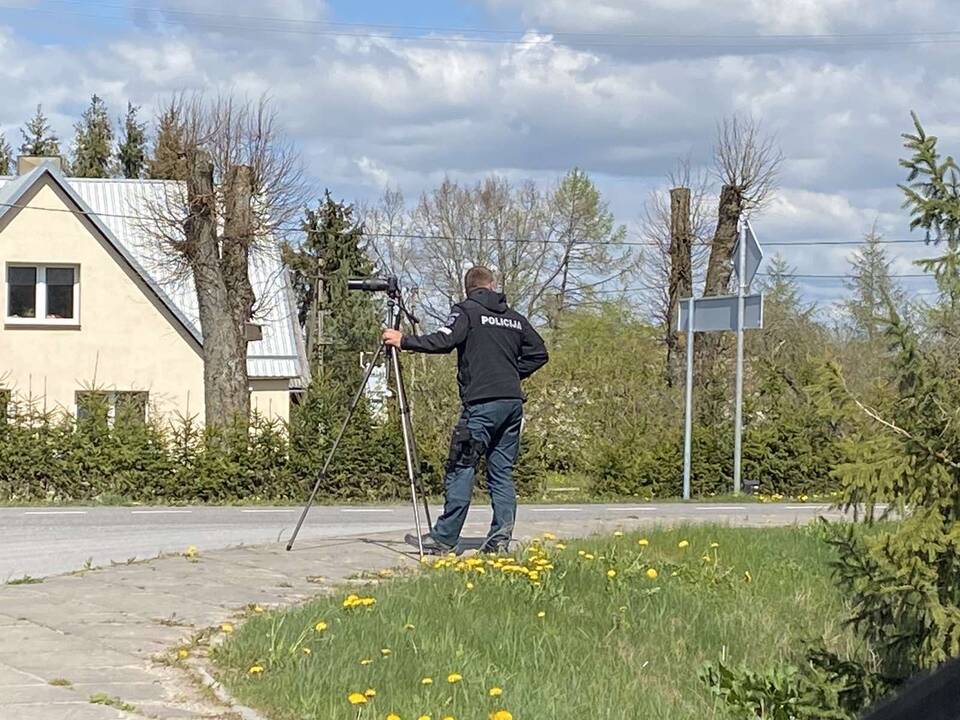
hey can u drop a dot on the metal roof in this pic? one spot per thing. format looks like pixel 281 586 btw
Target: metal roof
pixel 121 210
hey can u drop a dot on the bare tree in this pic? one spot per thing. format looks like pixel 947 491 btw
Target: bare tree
pixel 242 187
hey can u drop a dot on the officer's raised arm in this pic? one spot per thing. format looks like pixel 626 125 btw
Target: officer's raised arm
pixel 451 333
pixel 533 351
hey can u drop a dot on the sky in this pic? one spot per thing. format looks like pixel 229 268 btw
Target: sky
pixel 383 93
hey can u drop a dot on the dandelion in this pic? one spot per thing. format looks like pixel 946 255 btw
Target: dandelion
pixel 682 544
pixel 366 661
pixel 393 716
pixel 255 669
pixel 541 614
pixel 643 542
pixel 618 534
pixel 469 586
pixel 611 574
pixel 581 553
pixel 183 653
pixel 706 558
pixel 561 546
pixel 191 552
pixel 714 545
pixel 357 698
pixel 588 556
pixel 652 573
pixel 370 692
pixel 320 626
pixel 227 627
pixel 747 577
pixel 501 715
pixel 426 681
pixel 307 651
pixel 257 609
pixel 454 678
pixel 495 692
pixel 549 536
pixel 424 717
pixel 448 717
pixel 385 652
pixel 408 626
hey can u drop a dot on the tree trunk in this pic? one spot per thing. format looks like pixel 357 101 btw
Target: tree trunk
pixel 222 296
pixel 681 274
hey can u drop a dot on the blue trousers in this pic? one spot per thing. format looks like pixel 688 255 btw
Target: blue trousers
pixel 488 429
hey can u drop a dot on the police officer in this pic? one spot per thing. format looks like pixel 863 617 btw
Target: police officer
pixel 496 349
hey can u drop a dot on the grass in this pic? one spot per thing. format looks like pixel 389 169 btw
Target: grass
pixel 612 648
pixel 25 580
pixel 111 701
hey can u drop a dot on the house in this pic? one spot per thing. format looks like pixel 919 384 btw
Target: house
pixel 89 305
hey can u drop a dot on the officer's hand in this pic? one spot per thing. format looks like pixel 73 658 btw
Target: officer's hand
pixel 392 337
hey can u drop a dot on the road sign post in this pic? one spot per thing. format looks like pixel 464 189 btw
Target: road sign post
pixel 723 313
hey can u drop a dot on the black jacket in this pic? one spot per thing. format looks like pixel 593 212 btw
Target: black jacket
pixel 496 347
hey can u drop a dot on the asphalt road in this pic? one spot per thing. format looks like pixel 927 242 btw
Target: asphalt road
pixel 46 541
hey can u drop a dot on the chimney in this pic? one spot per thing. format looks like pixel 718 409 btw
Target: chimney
pixel 26 163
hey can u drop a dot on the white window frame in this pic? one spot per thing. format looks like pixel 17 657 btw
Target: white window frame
pixel 41 296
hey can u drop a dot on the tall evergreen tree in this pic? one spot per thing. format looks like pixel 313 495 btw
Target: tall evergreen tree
pixel 132 149
pixel 872 289
pixel 38 138
pixel 169 150
pixel 337 323
pixel 93 142
pixel 6 156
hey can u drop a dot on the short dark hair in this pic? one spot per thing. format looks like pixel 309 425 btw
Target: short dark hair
pixel 477 277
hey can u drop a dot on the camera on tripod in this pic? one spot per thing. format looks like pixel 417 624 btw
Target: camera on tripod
pixel 389 285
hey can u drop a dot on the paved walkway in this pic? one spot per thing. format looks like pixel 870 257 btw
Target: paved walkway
pixel 111 635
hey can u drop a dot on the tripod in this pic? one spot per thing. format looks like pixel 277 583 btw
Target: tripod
pixel 395 313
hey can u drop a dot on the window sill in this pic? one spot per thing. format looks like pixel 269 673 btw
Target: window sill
pixel 49 324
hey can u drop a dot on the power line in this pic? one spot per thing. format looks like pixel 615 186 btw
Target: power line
pixel 373 234
pixel 731 42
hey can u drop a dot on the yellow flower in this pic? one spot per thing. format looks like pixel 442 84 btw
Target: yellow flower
pixel 448 717
pixel 683 544
pixel 643 542
pixel 191 551
pixel 454 678
pixel 706 558
pixel 424 717
pixel 307 651
pixel 183 653
pixel 652 573
pixel 549 536
pixel 581 553
pixel 618 534
pixel 370 692
pixel 496 692
pixel 393 716
pixel 227 628
pixel 541 614
pixel 356 698
pixel 385 651
pixel 588 556
pixel 469 586
pixel 408 626
pixel 257 609
pixel 501 715
pixel 714 545
pixel 366 661
pixel 320 626
pixel 561 546
pixel 747 576
pixel 255 669
pixel 611 573
pixel 426 681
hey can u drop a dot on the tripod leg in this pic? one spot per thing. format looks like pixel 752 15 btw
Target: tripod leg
pixel 408 419
pixel 407 443
pixel 336 443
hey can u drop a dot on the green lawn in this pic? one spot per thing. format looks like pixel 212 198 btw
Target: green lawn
pixel 572 641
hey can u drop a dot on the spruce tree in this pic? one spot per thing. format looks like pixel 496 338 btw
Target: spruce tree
pixel 93 142
pixel 872 289
pixel 329 255
pixel 6 156
pixel 38 138
pixel 168 161
pixel 132 149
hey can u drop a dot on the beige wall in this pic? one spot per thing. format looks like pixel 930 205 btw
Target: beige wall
pixel 271 398
pixel 126 339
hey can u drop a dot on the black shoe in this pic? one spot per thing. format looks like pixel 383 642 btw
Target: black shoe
pixel 431 546
pixel 495 546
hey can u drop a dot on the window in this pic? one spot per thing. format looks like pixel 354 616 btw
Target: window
pixel 112 407
pixel 42 294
